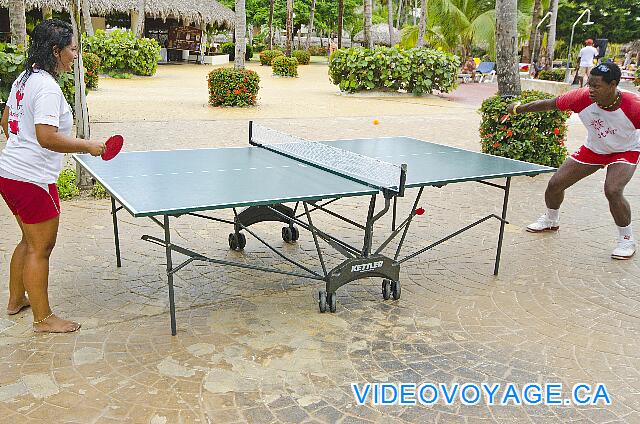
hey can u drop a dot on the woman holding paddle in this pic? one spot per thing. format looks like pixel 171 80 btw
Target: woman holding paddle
pixel 37 121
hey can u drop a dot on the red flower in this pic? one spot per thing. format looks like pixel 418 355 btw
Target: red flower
pixel 509 133
pixel 496 145
pixel 561 141
pixel 489 135
pixel 556 131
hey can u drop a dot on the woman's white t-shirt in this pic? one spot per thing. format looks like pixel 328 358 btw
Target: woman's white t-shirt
pixel 39 101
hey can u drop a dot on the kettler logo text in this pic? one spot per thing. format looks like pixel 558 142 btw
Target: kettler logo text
pixel 367 267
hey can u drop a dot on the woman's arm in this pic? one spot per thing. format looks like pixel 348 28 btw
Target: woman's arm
pixel 535 106
pixel 5 122
pixel 49 138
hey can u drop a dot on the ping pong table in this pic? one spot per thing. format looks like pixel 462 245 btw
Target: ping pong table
pixel 281 178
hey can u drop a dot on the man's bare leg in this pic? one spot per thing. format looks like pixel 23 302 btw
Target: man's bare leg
pixel 618 176
pixel 569 173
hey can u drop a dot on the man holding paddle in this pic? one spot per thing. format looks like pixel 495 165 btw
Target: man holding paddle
pixel 612 119
pixel 37 122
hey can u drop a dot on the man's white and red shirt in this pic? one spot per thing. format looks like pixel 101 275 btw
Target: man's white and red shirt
pixel 612 136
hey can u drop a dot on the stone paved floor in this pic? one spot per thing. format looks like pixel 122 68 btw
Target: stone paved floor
pixel 252 347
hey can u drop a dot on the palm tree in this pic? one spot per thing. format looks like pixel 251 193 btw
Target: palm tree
pixel 271 24
pixel 507 47
pixel 423 23
pixel 551 37
pixel 287 49
pixel 310 30
pixel 368 40
pixel 18 22
pixel 390 22
pixel 86 17
pixel 139 30
pixel 340 21
pixel 240 32
pixel 535 19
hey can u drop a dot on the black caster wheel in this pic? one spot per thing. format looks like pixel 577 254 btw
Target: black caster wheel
pixel 396 290
pixel 237 241
pixel 322 301
pixel 386 289
pixel 290 234
pixel 331 301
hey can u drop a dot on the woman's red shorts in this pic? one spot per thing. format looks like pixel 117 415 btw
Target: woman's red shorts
pixel 32 203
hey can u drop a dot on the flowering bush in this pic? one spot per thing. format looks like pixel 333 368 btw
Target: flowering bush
pixel 531 137
pixel 285 66
pixel 233 87
pixel 91 64
pixel 317 51
pixel 267 56
pixel 302 55
pixel 418 71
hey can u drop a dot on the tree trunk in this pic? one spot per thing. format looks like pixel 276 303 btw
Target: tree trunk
pixel 271 24
pixel 310 29
pixel 401 2
pixel 240 34
pixel 423 23
pixel 86 17
pixel 368 40
pixel 287 48
pixel 141 9
pixel 340 21
pixel 18 22
pixel 415 5
pixel 551 38
pixel 507 47
pixel 390 22
pixel 527 54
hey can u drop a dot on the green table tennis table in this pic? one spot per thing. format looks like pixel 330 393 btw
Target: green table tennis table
pixel 281 178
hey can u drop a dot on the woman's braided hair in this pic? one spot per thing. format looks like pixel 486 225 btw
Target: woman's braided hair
pixel 45 36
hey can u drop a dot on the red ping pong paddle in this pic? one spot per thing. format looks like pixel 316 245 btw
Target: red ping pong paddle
pixel 112 147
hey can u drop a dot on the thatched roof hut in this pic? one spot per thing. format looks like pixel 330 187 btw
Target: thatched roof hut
pixel 380 35
pixel 197 11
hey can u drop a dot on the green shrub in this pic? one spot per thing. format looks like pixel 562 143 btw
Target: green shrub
pixel 68 89
pixel 121 51
pixel 531 137
pixel 258 47
pixel 12 61
pixel 318 51
pixel 120 75
pixel 230 49
pixel 91 64
pixel 418 71
pixel 233 87
pixel 67 187
pixel 302 55
pixel 98 191
pixel 552 75
pixel 285 66
pixel 267 56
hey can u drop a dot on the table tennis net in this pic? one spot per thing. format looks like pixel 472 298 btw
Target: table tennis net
pixel 370 171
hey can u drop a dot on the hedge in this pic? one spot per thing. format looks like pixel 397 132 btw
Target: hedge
pixel 302 55
pixel 285 66
pixel 552 75
pixel 418 70
pixel 122 52
pixel 230 49
pixel 267 56
pixel 233 87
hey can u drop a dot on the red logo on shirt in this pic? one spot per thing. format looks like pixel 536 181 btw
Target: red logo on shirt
pixel 13 127
pixel 19 97
pixel 598 126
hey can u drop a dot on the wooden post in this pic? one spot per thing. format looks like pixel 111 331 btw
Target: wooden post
pixel 83 180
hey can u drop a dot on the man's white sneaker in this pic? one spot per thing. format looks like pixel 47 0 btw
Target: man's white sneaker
pixel 543 224
pixel 626 248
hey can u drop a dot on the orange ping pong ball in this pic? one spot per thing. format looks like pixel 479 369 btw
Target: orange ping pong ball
pixel 376 122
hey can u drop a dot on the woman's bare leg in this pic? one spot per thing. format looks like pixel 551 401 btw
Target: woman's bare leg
pixel 41 238
pixel 17 298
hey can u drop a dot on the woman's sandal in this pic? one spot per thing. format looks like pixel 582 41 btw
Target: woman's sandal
pixel 76 328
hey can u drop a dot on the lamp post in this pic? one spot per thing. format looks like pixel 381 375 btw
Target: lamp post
pixel 567 76
pixel 535 39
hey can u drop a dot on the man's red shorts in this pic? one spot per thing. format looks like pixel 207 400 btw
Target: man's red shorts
pixel 589 157
pixel 32 203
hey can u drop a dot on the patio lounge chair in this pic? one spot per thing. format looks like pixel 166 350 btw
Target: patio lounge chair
pixel 485 70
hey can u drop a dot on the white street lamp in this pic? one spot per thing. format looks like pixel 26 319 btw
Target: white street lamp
pixel 589 22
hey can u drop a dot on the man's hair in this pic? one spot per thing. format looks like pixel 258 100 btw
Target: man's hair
pixel 608 71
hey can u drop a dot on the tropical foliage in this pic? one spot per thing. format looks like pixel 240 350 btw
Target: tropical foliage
pixel 285 66
pixel 533 137
pixel 233 87
pixel 122 52
pixel 418 71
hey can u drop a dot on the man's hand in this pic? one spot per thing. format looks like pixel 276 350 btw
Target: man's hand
pixel 512 106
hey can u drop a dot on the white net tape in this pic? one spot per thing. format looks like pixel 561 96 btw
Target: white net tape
pixel 365 169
